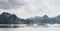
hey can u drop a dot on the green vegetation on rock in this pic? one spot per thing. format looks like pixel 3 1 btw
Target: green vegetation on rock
pixel 7 18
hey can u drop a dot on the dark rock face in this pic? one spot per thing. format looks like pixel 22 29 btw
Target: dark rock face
pixel 6 18
pixel 3 18
pixel 12 19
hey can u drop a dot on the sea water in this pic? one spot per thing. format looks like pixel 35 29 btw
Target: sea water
pixel 39 28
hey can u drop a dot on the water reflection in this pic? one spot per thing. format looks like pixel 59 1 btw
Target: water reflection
pixel 31 29
pixel 49 27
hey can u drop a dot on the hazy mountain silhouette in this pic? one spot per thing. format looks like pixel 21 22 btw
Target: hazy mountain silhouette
pixel 7 18
pixel 46 20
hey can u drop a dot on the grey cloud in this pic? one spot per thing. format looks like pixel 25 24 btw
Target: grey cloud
pixel 19 1
pixel 38 7
pixel 8 4
pixel 3 5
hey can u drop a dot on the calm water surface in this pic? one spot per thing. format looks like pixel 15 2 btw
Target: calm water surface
pixel 52 28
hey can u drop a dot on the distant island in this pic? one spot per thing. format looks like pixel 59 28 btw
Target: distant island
pixel 7 18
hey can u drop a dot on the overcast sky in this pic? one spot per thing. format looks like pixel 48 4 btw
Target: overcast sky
pixel 31 8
